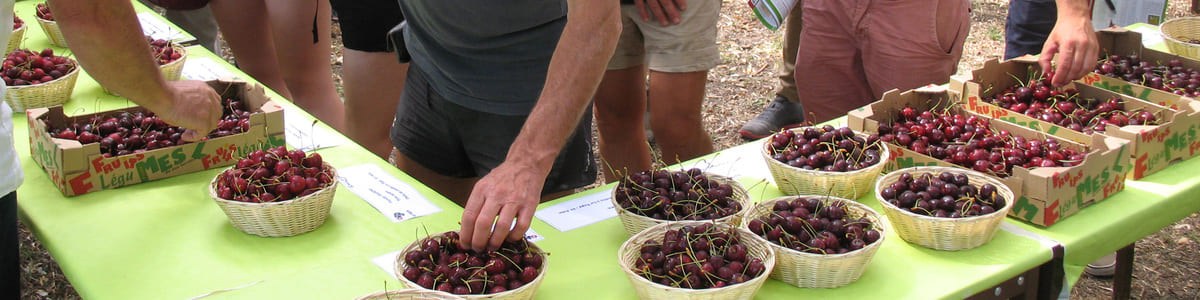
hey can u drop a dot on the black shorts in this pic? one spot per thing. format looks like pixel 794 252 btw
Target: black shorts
pixel 461 142
pixel 365 23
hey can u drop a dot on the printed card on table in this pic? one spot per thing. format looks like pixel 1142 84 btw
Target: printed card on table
pixel 203 68
pixel 303 133
pixel 579 212
pixel 395 199
pixel 155 27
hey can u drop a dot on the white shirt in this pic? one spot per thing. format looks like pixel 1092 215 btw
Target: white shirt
pixel 10 167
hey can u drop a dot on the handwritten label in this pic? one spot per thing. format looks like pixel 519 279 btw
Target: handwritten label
pixel 395 199
pixel 303 133
pixel 203 68
pixel 155 27
pixel 579 212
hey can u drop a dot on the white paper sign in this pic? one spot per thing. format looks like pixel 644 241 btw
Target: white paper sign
pixel 203 68
pixel 395 199
pixel 387 262
pixel 303 133
pixel 579 212
pixel 1150 35
pixel 155 27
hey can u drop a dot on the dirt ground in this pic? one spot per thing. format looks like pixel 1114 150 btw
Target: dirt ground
pixel 1166 263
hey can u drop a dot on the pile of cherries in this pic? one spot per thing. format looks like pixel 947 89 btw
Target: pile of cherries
pixel 807 224
pixel 125 133
pixel 677 195
pixel 1171 77
pixel 164 50
pixel 439 263
pixel 969 141
pixel 25 67
pixel 274 175
pixel 698 257
pixel 948 195
pixel 1067 108
pixel 17 22
pixel 43 12
pixel 825 149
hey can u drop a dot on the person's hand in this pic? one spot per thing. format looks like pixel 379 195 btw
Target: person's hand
pixel 667 12
pixel 508 192
pixel 193 105
pixel 1072 47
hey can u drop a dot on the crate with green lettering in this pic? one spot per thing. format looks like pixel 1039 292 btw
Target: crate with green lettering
pixel 1169 135
pixel 111 149
pixel 1142 72
pixel 1045 195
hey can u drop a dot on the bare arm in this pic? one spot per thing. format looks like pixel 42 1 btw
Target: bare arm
pixel 1072 43
pixel 108 41
pixel 513 189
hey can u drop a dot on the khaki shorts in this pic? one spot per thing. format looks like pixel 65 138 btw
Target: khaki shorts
pixel 689 46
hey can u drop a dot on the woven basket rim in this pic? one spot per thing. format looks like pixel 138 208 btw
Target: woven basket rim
pixel 212 190
pixel 1008 203
pixel 73 72
pixel 879 225
pixel 421 293
pixel 23 26
pixel 1173 22
pixel 399 264
pixel 768 262
pixel 737 186
pixel 884 156
pixel 39 18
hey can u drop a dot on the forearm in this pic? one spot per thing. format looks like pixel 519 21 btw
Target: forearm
pixel 578 64
pixel 108 42
pixel 1074 9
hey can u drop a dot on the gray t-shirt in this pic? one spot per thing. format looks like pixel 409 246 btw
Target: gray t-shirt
pixel 486 55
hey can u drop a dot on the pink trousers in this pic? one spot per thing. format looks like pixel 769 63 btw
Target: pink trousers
pixel 851 51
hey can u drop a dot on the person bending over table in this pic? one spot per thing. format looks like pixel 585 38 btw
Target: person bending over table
pixel 108 42
pixel 853 51
pixel 491 111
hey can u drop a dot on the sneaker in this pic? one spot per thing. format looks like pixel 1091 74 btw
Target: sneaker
pixel 1104 267
pixel 780 114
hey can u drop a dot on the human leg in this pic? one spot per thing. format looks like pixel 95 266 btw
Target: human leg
pixel 619 108
pixel 785 110
pixel 939 29
pixel 372 78
pixel 620 104
pixel 1027 25
pixel 10 257
pixel 829 70
pixel 300 30
pixel 247 31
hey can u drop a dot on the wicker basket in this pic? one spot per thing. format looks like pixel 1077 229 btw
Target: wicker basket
pixel 635 223
pixel 46 94
pixel 808 270
pixel 410 294
pixel 52 32
pixel 945 233
pixel 646 289
pixel 15 39
pixel 171 71
pixel 850 185
pixel 279 219
pixel 1178 30
pixel 526 291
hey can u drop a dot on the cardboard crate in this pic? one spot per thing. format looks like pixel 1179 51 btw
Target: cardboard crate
pixel 1045 195
pixel 79 169
pixel 1152 147
pixel 1124 42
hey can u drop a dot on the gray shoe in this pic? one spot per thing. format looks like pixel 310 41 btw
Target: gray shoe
pixel 1104 267
pixel 780 114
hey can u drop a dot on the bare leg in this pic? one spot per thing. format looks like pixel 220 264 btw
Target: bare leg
pixel 675 115
pixel 619 106
pixel 248 34
pixel 456 189
pixel 372 82
pixel 303 57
